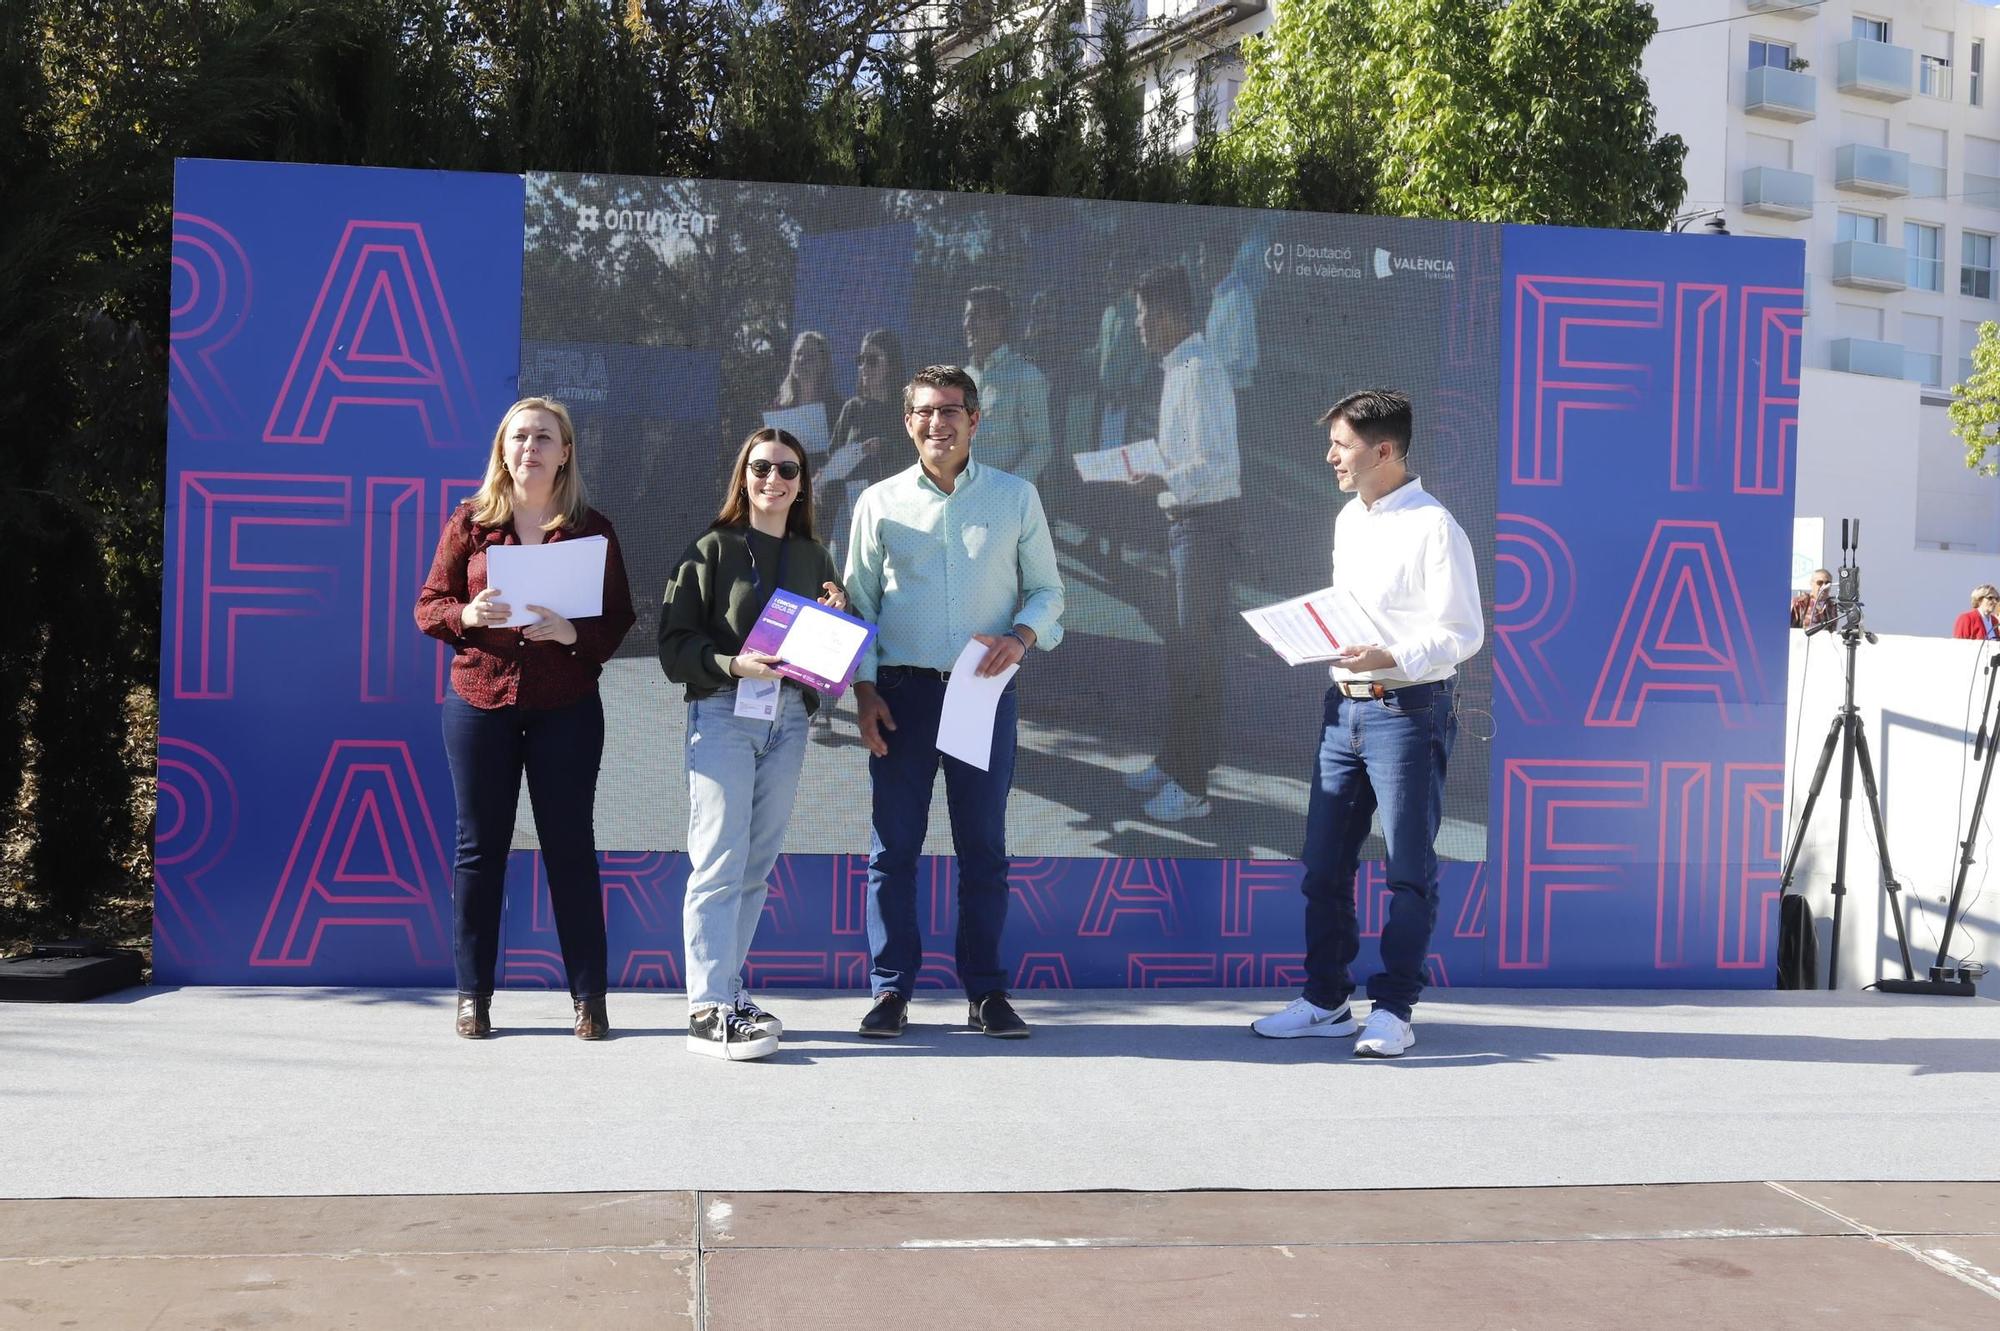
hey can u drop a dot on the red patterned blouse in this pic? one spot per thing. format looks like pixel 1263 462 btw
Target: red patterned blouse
pixel 498 667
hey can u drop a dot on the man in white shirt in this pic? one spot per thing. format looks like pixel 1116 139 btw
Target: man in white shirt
pixel 1387 729
pixel 1200 494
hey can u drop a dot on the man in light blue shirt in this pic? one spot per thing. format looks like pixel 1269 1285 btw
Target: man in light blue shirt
pixel 946 552
pixel 1013 394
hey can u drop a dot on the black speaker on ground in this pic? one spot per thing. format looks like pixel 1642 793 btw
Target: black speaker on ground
pixel 67 972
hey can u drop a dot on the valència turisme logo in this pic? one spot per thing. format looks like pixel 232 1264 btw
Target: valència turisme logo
pixel 1388 265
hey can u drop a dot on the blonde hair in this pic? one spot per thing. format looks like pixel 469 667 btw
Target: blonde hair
pixel 493 506
pixel 1982 591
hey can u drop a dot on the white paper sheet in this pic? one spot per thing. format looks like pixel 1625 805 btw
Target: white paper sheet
pixel 758 698
pixel 807 424
pixel 565 576
pixel 1315 627
pixel 965 729
pixel 1122 464
pixel 842 463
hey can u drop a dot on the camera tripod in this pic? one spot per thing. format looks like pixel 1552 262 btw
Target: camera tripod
pixel 1847 737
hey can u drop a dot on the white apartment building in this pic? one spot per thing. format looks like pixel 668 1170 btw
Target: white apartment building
pixel 1870 131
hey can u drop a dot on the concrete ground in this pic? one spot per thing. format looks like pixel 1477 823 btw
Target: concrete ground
pixel 1768 1255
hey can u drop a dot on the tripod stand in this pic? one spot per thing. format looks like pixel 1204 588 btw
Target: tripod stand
pixel 1945 978
pixel 1847 736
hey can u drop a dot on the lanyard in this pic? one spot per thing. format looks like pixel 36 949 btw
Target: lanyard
pixel 756 574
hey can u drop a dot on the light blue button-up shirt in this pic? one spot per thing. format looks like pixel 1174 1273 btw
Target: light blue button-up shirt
pixel 931 569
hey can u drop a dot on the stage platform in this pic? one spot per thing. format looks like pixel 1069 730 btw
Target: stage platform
pixel 322 1092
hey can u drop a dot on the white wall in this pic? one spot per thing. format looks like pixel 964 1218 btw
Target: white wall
pixel 1868 450
pixel 1919 700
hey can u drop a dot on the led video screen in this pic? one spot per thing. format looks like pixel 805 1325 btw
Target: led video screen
pixel 674 317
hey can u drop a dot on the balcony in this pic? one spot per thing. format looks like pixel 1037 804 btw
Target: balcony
pixel 1780 94
pixel 1774 192
pixel 1926 182
pixel 1877 69
pixel 1860 355
pixel 1792 9
pixel 1870 267
pixel 1870 170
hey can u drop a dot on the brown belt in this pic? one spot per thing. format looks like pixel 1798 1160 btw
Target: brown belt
pixel 1367 688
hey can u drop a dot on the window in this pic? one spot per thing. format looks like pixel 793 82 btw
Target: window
pixel 1862 321
pixel 1776 55
pixel 1975 266
pixel 1975 71
pixel 1968 338
pixel 1767 150
pixel 1871 29
pixel 1921 243
pixel 1934 76
pixel 1923 349
pixel 1858 226
pixel 1927 161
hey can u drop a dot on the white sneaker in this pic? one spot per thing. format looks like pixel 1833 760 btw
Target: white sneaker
pixel 1173 804
pixel 1146 782
pixel 1384 1035
pixel 1300 1017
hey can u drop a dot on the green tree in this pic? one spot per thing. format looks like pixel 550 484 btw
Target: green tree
pixel 1482 110
pixel 1975 404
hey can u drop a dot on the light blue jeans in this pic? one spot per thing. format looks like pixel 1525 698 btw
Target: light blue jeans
pixel 742 778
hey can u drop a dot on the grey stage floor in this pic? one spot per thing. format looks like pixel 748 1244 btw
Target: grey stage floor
pixel 265 1092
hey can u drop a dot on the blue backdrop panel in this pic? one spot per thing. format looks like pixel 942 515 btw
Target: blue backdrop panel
pixel 343 343
pixel 1649 406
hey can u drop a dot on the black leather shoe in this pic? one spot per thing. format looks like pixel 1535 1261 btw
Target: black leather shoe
pixel 995 1016
pixel 885 1020
pixel 475 1017
pixel 591 1021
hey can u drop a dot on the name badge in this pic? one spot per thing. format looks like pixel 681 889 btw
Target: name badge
pixel 758 698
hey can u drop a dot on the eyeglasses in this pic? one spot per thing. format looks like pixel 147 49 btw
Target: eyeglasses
pixel 871 358
pixel 949 415
pixel 761 467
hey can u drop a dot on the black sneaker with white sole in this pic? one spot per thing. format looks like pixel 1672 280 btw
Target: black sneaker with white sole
pixel 721 1032
pixel 746 1008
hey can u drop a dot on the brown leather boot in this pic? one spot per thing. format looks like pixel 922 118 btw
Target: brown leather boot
pixel 591 1021
pixel 475 1017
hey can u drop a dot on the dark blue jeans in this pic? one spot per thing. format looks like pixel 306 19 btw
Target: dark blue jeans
pixel 1388 756
pixel 1201 551
pixel 903 782
pixel 559 749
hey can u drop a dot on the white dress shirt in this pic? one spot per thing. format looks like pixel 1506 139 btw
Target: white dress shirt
pixel 1407 562
pixel 1198 428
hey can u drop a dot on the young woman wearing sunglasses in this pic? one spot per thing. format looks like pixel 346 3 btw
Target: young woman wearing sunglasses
pixel 742 766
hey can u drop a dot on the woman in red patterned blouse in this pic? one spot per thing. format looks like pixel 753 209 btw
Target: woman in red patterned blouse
pixel 524 699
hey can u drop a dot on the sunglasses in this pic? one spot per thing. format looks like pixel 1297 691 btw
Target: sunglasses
pixel 870 358
pixel 761 467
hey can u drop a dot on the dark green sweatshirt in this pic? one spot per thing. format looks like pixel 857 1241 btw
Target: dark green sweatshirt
pixel 712 603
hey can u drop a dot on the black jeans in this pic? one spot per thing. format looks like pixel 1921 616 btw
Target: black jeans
pixel 559 748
